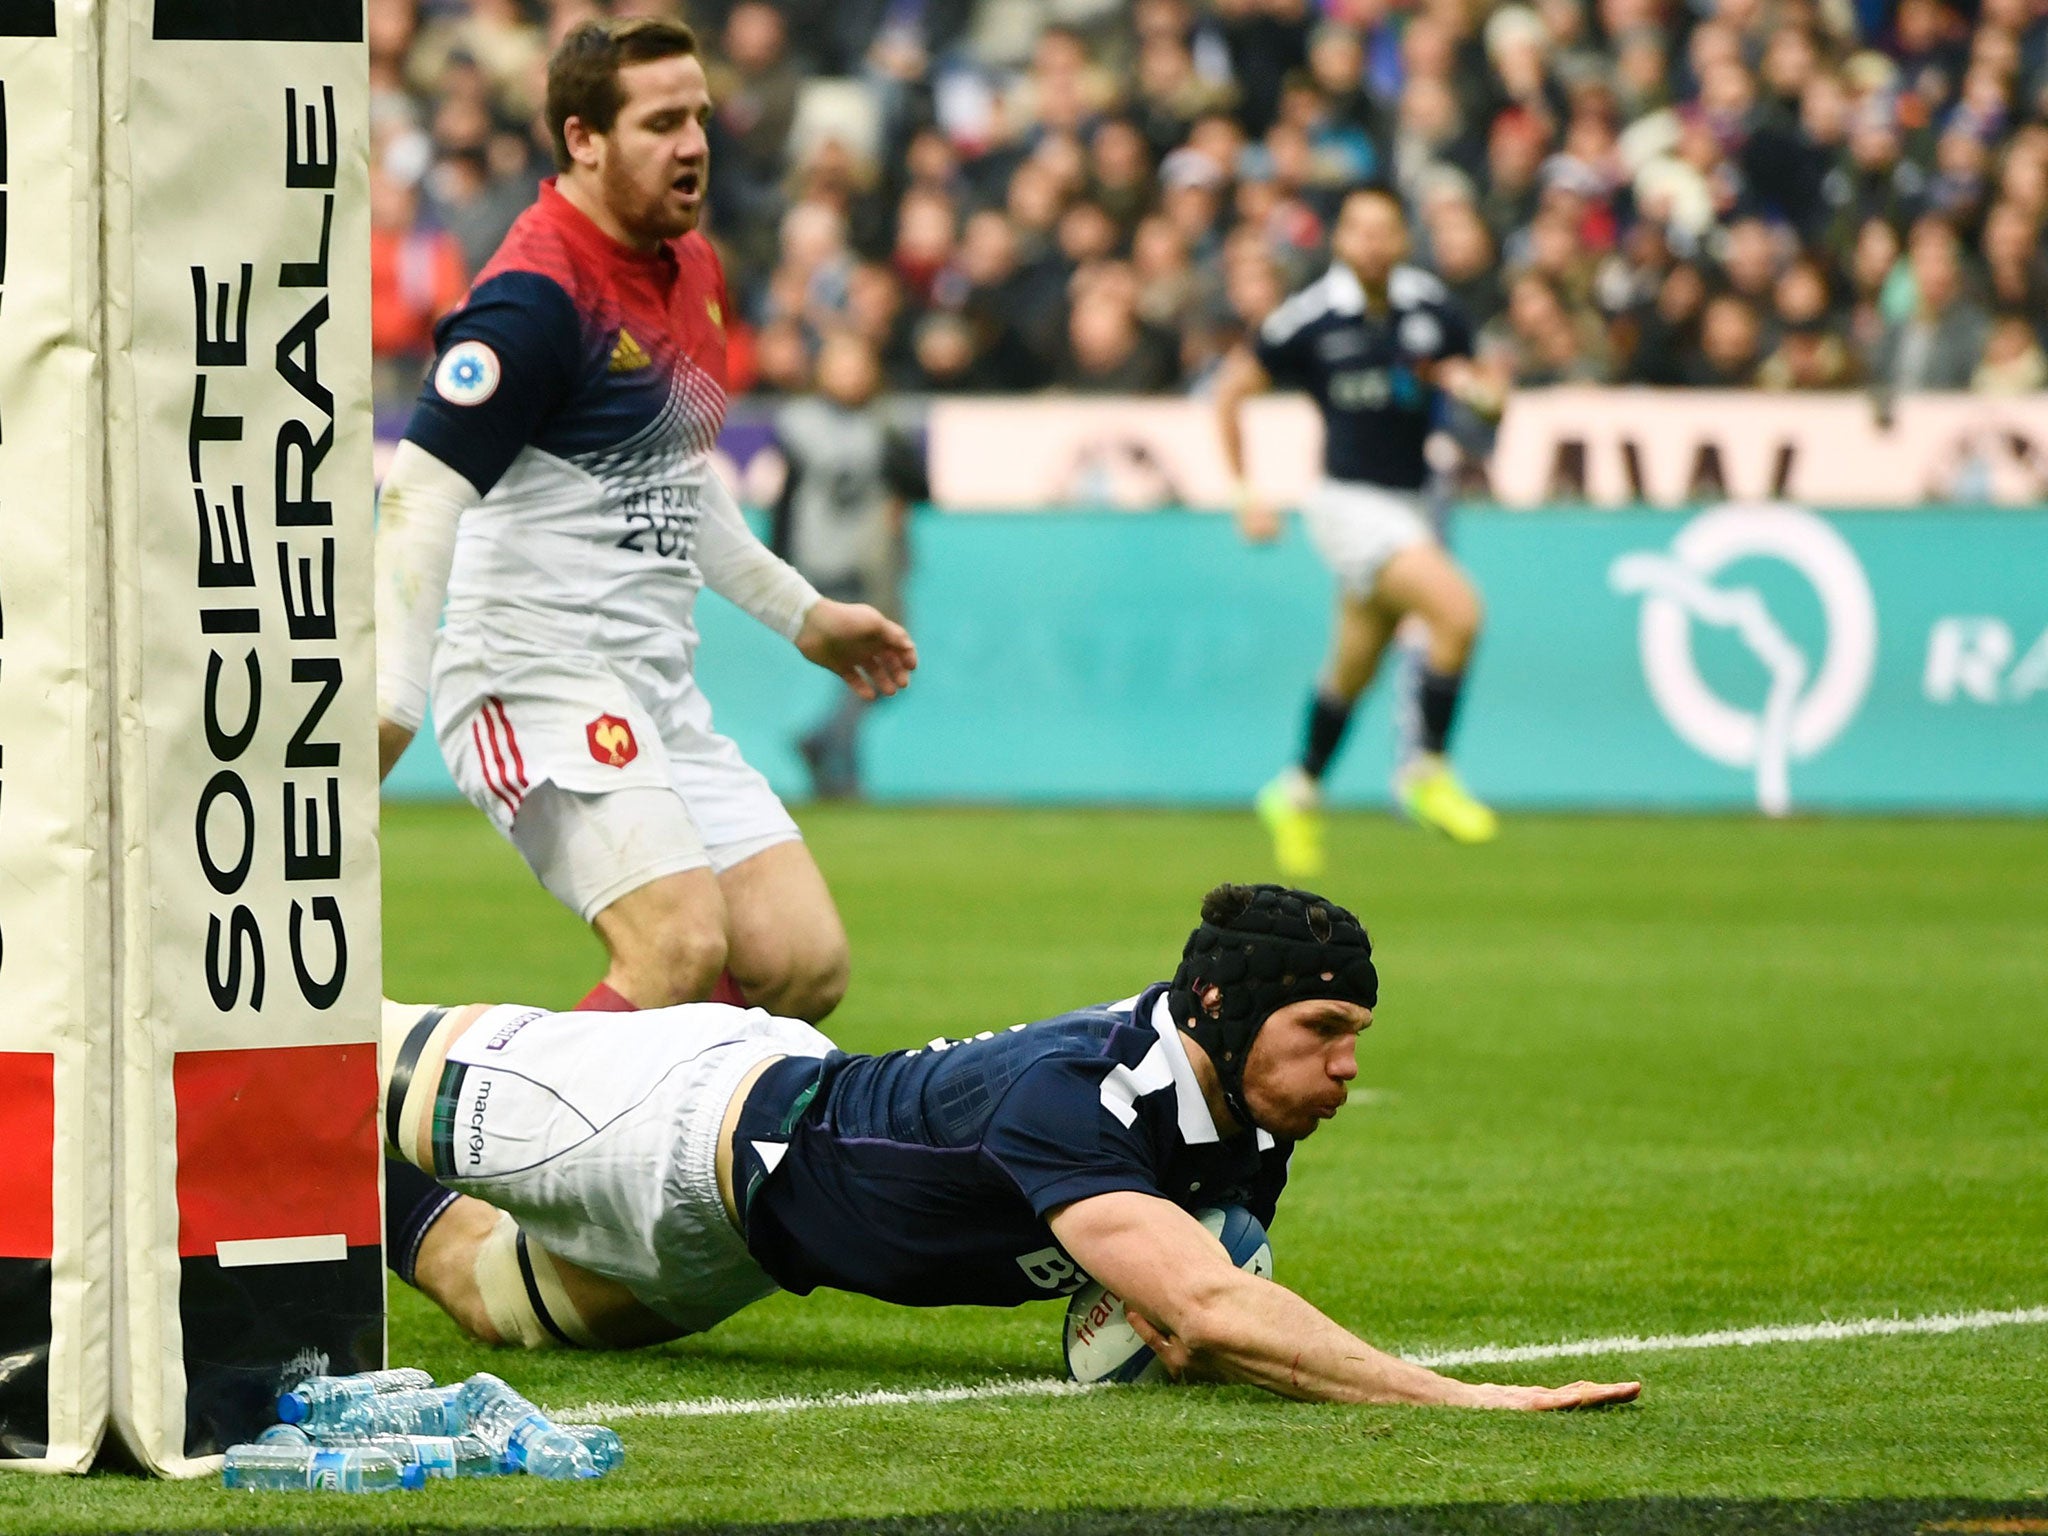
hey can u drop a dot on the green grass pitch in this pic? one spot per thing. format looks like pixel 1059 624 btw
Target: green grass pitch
pixel 1629 1076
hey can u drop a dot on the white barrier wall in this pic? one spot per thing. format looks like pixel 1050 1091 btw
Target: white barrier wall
pixel 249 1228
pixel 1582 445
pixel 55 999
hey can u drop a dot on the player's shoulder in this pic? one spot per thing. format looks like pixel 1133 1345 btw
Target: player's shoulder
pixel 1333 297
pixel 1413 288
pixel 536 247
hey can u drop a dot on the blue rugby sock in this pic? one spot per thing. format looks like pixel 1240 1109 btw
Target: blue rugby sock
pixel 413 1202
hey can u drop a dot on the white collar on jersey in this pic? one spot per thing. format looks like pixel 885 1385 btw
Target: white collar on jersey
pixel 1197 1125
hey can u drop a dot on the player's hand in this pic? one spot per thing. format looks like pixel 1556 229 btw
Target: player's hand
pixel 1580 1394
pixel 1178 1359
pixel 870 650
pixel 1257 520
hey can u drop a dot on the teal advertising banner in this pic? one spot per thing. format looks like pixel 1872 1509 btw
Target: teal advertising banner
pixel 1753 655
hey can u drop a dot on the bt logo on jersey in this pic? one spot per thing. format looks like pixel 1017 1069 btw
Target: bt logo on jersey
pixel 611 741
pixel 1051 1270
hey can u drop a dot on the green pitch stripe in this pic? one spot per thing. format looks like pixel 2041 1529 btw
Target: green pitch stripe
pixel 445 1097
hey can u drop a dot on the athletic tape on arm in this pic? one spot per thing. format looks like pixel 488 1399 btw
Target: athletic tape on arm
pixel 417 512
pixel 743 570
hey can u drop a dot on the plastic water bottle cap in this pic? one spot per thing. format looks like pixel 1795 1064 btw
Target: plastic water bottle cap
pixel 412 1475
pixel 291 1409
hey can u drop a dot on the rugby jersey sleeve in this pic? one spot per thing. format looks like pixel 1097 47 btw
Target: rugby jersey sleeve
pixel 1058 1141
pixel 1282 346
pixel 504 363
pixel 1457 329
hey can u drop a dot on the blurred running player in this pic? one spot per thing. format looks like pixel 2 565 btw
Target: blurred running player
pixel 555 488
pixel 840 521
pixel 623 1182
pixel 1375 343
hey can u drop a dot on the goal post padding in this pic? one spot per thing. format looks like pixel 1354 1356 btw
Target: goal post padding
pixel 248 1222
pixel 56 1021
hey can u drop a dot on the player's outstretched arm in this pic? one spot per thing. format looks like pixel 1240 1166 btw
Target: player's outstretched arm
pixel 421 502
pixel 1206 1318
pixel 1237 379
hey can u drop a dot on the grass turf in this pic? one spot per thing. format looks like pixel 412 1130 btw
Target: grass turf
pixel 1629 1076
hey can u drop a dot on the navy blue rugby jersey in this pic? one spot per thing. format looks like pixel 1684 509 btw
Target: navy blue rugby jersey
pixel 923 1177
pixel 1359 367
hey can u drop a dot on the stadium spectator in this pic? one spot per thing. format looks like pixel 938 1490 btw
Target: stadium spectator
pixel 1541 340
pixel 2014 363
pixel 1669 334
pixel 1731 337
pixel 1109 351
pixel 1808 353
pixel 2015 267
pixel 1939 344
pixel 1740 134
pixel 417 275
pixel 1463 254
pixel 848 482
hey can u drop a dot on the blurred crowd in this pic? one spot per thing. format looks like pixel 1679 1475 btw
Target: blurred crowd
pixel 1102 195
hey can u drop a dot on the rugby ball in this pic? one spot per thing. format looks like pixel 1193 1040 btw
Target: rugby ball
pixel 1101 1344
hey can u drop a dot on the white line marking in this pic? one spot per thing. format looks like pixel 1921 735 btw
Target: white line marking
pixel 1737 1338
pixel 722 1407
pixel 324 1249
pixel 1620 1344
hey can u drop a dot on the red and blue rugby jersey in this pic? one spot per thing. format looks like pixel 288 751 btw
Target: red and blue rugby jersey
pixel 580 388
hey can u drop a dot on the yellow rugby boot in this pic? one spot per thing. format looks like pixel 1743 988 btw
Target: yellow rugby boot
pixel 1433 795
pixel 1291 807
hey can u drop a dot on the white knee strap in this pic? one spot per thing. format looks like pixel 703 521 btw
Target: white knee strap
pixel 522 1292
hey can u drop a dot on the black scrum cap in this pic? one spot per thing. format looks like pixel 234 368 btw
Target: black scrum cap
pixel 1263 947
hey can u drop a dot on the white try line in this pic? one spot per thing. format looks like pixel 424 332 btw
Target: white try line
pixel 1619 1344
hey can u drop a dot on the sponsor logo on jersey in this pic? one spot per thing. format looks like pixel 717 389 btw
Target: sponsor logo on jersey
pixel 628 356
pixel 467 374
pixel 611 741
pixel 1421 335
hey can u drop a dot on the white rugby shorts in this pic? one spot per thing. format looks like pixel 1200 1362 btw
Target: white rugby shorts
pixel 1358 528
pixel 605 775
pixel 599 1133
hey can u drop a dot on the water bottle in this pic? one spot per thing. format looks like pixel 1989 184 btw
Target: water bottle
pixel 604 1446
pixel 284 1434
pixel 432 1411
pixel 521 1435
pixel 351 1469
pixel 441 1456
pixel 293 1406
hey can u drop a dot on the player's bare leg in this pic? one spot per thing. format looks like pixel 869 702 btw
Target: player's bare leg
pixel 1291 805
pixel 1424 580
pixel 667 939
pixel 786 946
pixel 454 1270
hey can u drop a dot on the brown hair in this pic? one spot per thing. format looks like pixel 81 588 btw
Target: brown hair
pixel 583 75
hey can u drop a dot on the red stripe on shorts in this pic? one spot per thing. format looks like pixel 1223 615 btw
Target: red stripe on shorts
pixel 517 791
pixel 511 741
pixel 483 762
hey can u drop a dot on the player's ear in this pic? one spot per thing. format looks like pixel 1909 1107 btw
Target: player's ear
pixel 582 140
